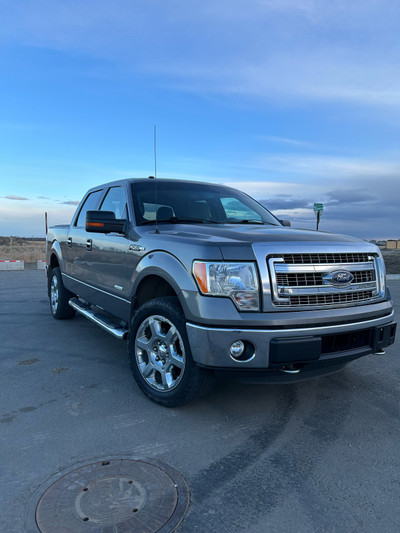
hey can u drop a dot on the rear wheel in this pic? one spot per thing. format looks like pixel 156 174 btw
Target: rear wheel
pixel 160 356
pixel 59 296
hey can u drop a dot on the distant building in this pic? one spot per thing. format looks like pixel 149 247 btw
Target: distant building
pixel 381 244
pixel 393 244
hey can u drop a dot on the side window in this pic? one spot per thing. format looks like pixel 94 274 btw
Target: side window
pixel 116 201
pixel 234 209
pixel 91 202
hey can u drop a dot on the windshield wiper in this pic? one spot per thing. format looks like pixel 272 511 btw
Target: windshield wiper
pixel 176 220
pixel 245 221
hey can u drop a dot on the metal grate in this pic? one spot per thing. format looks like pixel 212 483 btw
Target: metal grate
pixel 295 280
pixel 341 342
pixel 295 259
pixel 311 279
pixel 327 299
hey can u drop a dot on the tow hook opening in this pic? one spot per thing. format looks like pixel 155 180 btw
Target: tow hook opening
pixel 290 369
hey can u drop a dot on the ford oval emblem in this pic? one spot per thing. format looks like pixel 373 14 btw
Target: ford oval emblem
pixel 339 278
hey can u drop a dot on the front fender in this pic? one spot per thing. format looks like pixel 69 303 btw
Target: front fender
pixel 169 268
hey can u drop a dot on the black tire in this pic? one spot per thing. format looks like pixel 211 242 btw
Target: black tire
pixel 160 356
pixel 59 296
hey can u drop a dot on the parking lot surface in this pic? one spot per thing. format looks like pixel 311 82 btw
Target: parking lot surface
pixel 320 456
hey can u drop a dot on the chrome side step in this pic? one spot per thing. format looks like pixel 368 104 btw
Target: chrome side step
pixel 104 322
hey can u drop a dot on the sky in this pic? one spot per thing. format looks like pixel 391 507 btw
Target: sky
pixel 291 101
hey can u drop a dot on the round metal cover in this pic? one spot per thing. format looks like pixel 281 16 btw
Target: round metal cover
pixel 115 496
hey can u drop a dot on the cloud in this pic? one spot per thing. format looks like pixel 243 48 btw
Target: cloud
pixel 12 197
pixel 284 140
pixel 346 196
pixel 70 202
pixel 280 50
pixel 364 206
pixel 284 204
pixel 29 221
pixel 326 166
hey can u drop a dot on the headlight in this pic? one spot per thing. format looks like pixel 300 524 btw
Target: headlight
pixel 237 281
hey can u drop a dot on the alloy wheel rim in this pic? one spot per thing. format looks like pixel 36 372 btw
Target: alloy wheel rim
pixel 160 353
pixel 54 294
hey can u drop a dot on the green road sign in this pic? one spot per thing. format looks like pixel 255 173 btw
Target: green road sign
pixel 318 207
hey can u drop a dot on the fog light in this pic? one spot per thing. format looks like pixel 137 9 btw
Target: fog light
pixel 237 349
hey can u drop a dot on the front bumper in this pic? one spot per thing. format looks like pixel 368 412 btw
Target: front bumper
pixel 275 349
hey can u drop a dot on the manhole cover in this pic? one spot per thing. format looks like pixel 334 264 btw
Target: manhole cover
pixel 115 496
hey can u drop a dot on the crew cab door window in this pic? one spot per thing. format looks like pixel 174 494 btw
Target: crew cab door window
pixel 235 210
pixel 91 202
pixel 117 202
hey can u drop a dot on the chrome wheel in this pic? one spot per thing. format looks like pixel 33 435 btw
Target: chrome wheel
pixel 54 294
pixel 160 353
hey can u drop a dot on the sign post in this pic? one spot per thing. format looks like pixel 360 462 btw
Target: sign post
pixel 318 208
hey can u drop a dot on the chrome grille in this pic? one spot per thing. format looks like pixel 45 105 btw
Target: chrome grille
pixel 308 279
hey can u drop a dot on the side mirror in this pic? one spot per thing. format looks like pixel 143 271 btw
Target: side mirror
pixel 285 222
pixel 104 222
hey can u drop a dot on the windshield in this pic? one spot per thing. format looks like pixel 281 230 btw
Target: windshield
pixel 196 203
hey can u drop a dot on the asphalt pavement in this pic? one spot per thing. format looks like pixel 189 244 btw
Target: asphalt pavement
pixel 319 456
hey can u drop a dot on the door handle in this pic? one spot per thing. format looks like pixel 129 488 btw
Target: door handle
pixel 69 242
pixel 89 244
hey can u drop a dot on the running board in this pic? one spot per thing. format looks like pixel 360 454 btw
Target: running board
pixel 104 322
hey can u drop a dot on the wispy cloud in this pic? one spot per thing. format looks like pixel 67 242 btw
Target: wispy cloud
pixel 285 204
pixel 327 166
pixel 70 202
pixel 350 196
pixel 12 197
pixel 286 141
pixel 282 50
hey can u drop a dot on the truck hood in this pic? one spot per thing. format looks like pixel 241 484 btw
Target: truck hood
pixel 231 236
pixel 250 234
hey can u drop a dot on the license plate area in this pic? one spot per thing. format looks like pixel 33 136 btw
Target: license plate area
pixel 384 336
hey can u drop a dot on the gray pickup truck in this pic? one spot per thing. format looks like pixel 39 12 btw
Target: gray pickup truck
pixel 202 279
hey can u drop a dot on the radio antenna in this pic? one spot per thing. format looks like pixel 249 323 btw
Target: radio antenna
pixel 155 174
pixel 155 151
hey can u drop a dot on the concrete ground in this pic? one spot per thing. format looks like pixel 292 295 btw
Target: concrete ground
pixel 320 456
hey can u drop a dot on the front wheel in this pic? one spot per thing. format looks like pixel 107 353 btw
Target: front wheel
pixel 59 296
pixel 160 356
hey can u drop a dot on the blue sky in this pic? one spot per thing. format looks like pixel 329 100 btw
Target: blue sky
pixel 292 101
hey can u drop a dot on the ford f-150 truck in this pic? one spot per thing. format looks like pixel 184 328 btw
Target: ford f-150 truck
pixel 201 278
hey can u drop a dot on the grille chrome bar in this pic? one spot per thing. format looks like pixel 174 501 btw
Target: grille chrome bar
pixel 294 279
pixel 329 299
pixel 289 291
pixel 326 258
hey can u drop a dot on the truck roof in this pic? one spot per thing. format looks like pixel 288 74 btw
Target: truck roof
pixel 146 180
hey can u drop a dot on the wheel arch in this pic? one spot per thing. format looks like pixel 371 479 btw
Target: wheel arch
pixel 55 256
pixel 161 274
pixel 150 287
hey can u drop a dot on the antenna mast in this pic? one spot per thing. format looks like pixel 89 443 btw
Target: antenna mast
pixel 155 174
pixel 155 151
